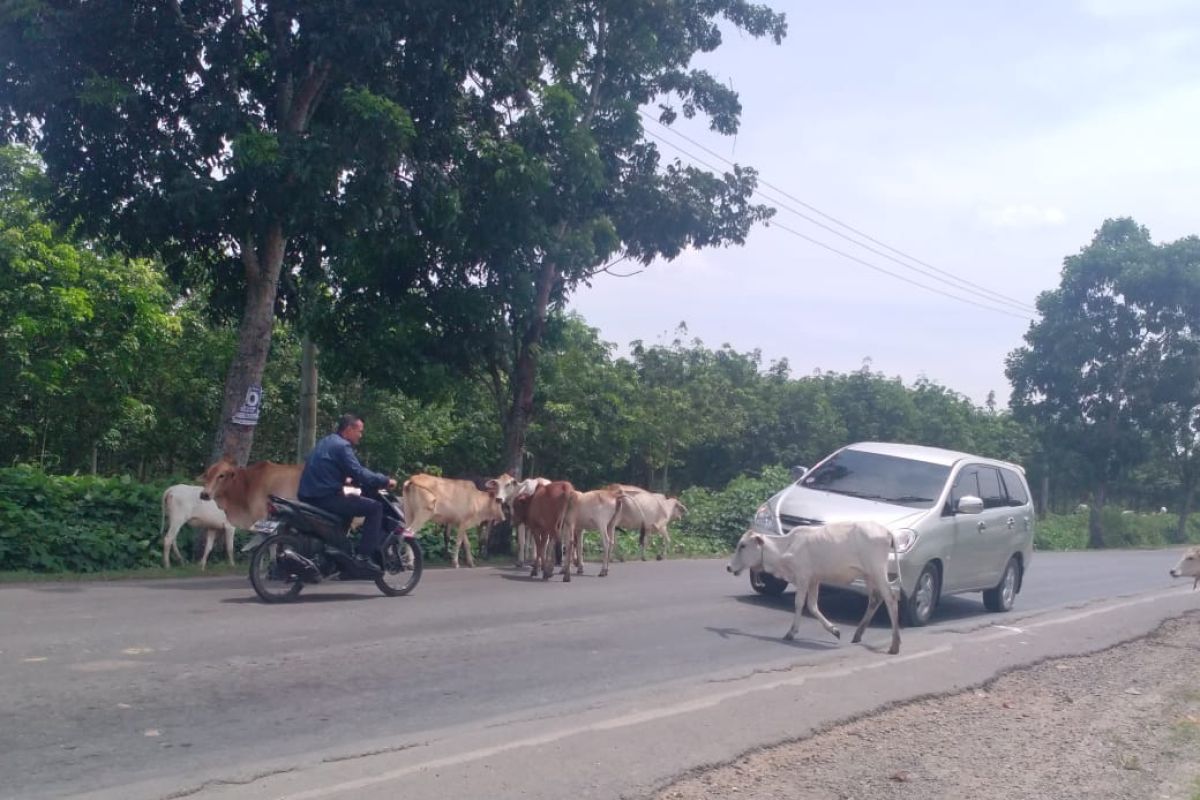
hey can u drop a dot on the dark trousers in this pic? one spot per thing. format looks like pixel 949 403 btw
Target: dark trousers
pixel 347 506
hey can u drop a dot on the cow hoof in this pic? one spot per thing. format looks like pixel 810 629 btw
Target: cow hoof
pixel 836 634
pixel 566 577
pixel 789 636
pixel 894 650
pixel 658 557
pixel 857 638
pixel 579 570
pixel 603 573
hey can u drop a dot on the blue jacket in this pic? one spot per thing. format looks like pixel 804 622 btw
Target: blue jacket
pixel 328 466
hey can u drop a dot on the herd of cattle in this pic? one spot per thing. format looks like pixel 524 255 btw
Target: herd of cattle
pixel 545 514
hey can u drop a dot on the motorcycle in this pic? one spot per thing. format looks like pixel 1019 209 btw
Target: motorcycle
pixel 299 545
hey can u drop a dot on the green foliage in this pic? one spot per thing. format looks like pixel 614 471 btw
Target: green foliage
pixel 723 516
pixel 77 524
pixel 1121 529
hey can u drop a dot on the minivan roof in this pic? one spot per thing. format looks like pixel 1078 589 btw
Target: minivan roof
pixel 919 452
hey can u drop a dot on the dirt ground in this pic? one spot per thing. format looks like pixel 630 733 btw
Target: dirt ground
pixel 1122 723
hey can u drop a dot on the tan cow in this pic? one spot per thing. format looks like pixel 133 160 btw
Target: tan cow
pixel 551 520
pixel 1189 566
pixel 595 511
pixel 444 501
pixel 648 513
pixel 242 492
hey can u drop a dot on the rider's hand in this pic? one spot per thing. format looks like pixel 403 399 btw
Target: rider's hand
pixel 391 483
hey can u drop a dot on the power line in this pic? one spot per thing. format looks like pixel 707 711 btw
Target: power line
pixel 967 285
pixel 856 259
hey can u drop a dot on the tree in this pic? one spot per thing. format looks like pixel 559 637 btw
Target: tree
pixel 560 178
pixel 1090 366
pixel 219 131
pixel 75 325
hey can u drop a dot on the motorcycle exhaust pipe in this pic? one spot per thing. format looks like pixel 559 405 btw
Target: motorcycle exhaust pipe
pixel 306 569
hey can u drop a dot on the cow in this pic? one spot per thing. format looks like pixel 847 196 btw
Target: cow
pixel 647 512
pixel 1189 566
pixel 182 505
pixel 242 492
pixel 837 553
pixel 551 520
pixel 444 501
pixel 595 511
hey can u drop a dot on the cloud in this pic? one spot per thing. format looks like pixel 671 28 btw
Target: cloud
pixel 1023 215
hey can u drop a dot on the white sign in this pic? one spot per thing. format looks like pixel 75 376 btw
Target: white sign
pixel 248 413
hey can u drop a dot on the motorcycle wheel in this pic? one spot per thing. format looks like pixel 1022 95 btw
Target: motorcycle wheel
pixel 271 581
pixel 402 565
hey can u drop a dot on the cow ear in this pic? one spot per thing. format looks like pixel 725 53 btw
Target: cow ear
pixel 492 486
pixel 758 537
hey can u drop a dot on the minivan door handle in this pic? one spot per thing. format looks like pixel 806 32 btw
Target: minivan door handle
pixel 981 525
pixel 1011 522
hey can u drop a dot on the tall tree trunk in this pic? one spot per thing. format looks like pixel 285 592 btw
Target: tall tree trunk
pixel 262 266
pixel 95 456
pixel 1095 524
pixel 516 421
pixel 307 436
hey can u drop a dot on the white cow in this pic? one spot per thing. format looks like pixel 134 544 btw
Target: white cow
pixel 648 513
pixel 181 505
pixel 596 511
pixel 838 554
pixel 1189 566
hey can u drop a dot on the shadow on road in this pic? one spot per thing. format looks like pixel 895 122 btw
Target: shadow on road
pixel 848 607
pixel 315 597
pixel 801 642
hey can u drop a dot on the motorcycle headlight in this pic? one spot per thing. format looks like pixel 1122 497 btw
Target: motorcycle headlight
pixel 904 538
pixel 764 519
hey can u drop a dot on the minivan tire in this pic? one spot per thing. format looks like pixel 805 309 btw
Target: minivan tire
pixel 1001 598
pixel 767 584
pixel 917 610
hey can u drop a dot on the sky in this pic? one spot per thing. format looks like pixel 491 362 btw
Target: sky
pixel 988 139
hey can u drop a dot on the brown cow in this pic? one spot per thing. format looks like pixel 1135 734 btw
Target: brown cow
pixel 428 498
pixel 242 492
pixel 551 520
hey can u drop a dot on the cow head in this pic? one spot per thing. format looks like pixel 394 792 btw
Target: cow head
pixel 494 509
pixel 749 553
pixel 1189 566
pixel 678 509
pixel 503 487
pixel 214 478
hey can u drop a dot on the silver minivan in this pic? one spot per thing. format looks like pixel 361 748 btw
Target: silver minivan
pixel 962 523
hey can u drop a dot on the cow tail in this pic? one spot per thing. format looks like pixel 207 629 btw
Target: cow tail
pixel 896 555
pixel 162 525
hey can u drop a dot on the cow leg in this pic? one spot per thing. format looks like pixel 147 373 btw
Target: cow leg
pixel 665 540
pixel 446 544
pixel 811 601
pixel 872 606
pixel 464 533
pixel 642 543
pixel 210 536
pixel 229 543
pixel 547 550
pixel 893 609
pixel 607 543
pixel 801 599
pixel 577 543
pixel 169 544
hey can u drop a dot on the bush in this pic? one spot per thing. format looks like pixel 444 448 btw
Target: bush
pixel 1070 531
pixel 723 516
pixel 1061 532
pixel 77 524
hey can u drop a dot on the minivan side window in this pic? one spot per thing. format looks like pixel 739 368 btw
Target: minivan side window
pixel 967 483
pixel 990 490
pixel 1017 496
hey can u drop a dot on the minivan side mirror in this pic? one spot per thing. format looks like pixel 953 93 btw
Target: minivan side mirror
pixel 798 472
pixel 968 504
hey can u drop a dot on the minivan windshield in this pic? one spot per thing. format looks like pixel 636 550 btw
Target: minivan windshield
pixel 873 476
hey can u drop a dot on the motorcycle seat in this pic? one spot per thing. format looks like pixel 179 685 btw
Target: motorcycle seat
pixel 312 511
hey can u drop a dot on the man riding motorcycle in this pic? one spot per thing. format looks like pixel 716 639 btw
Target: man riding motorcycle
pixel 328 466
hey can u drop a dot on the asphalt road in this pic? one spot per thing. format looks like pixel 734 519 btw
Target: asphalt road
pixel 176 686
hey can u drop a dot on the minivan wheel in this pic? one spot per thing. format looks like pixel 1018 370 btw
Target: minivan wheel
pixel 765 583
pixel 917 609
pixel 1001 598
